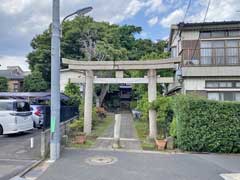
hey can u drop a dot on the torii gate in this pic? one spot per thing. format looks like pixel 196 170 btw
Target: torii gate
pixel 119 66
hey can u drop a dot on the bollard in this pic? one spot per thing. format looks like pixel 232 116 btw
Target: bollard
pixel 32 143
pixel 43 144
pixel 117 127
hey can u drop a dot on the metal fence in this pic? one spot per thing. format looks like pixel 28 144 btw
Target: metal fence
pixel 66 113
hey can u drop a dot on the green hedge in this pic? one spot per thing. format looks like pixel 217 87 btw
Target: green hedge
pixel 207 126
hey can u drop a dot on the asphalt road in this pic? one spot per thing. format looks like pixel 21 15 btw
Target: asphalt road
pixel 141 166
pixel 16 153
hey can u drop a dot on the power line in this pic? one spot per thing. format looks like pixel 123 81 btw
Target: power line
pixel 186 12
pixel 184 17
pixel 204 20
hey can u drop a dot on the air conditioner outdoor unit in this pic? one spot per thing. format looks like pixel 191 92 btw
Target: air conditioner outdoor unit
pixel 192 62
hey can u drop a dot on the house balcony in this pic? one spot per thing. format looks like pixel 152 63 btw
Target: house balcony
pixel 211 62
pixel 227 56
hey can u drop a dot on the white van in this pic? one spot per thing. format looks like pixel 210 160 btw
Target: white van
pixel 15 116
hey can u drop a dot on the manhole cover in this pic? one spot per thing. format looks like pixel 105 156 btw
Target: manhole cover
pixel 101 160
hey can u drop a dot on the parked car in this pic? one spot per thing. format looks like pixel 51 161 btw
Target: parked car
pixel 38 115
pixel 15 116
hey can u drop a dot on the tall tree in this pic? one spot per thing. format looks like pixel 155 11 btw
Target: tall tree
pixel 35 82
pixel 3 84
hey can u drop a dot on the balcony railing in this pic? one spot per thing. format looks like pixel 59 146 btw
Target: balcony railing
pixel 229 56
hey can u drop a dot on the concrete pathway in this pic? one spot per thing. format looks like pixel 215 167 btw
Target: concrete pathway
pixel 80 164
pixel 128 135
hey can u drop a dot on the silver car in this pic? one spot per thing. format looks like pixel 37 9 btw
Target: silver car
pixel 37 113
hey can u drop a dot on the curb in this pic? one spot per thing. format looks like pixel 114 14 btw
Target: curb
pixel 28 169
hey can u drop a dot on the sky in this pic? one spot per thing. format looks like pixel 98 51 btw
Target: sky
pixel 21 20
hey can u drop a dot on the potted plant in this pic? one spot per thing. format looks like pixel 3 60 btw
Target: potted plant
pixel 160 143
pixel 80 138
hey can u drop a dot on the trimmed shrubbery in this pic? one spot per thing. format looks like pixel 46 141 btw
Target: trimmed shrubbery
pixel 207 126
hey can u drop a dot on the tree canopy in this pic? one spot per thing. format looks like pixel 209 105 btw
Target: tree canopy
pixel 83 35
pixel 34 82
pixel 3 84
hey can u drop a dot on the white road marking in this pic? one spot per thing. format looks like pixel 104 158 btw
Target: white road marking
pixel 232 176
pixel 121 139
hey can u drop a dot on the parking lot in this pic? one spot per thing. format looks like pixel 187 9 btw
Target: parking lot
pixel 16 152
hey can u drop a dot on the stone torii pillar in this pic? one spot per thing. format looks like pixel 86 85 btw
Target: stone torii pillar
pixel 152 95
pixel 88 102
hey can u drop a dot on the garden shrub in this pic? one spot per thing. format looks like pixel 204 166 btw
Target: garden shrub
pixel 206 125
pixel 173 128
pixel 162 105
pixel 76 127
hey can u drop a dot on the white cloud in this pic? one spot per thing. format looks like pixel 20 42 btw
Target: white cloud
pixel 155 6
pixel 13 6
pixel 219 10
pixel 173 18
pixel 153 21
pixel 23 19
pixel 134 7
pixel 13 61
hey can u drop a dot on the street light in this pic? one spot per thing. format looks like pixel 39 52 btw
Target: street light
pixel 55 78
pixel 79 12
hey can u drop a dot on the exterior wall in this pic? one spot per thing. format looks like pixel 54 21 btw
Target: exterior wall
pixel 11 86
pixel 207 71
pixel 198 93
pixel 197 85
pixel 190 35
pixel 65 77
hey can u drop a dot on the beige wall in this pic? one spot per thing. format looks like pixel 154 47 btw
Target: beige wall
pixel 198 84
pixel 65 77
pixel 190 35
pixel 11 85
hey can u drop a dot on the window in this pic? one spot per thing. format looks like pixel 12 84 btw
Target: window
pixel 174 52
pixel 22 107
pixel 206 52
pixel 225 84
pixel 238 84
pixel 205 35
pixel 6 106
pixel 212 84
pixel 232 52
pixel 233 33
pixel 217 34
pixel 213 96
pixel 218 50
pixel 222 84
pixel 224 96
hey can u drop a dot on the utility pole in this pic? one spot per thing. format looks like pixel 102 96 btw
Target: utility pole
pixel 55 83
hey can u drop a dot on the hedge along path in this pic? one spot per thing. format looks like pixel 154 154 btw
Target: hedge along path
pixel 206 125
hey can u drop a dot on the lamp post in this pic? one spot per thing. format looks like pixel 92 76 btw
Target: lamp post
pixel 55 77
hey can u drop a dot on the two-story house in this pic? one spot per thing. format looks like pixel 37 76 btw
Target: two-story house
pixel 210 54
pixel 15 76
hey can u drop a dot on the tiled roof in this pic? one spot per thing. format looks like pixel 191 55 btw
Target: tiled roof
pixel 11 74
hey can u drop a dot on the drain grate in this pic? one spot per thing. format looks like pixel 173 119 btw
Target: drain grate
pixel 101 160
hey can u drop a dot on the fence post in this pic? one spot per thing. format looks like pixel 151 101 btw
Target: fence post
pixel 117 127
pixel 43 144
